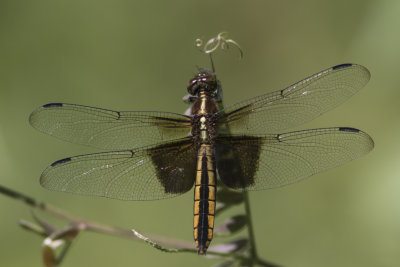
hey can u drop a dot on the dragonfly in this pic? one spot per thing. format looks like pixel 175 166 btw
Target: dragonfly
pixel 158 155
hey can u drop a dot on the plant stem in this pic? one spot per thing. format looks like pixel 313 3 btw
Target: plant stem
pixel 253 251
pixel 82 224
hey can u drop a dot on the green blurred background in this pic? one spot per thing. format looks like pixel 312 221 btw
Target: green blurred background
pixel 139 55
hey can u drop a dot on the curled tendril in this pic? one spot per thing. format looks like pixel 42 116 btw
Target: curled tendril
pixel 220 41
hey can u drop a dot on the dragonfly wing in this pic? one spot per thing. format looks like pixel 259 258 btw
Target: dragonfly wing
pixel 263 162
pixel 296 104
pixel 107 129
pixel 154 172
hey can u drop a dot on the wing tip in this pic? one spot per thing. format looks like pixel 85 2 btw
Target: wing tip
pixel 368 138
pixel 364 72
pixel 52 105
pixel 349 129
pixel 39 109
pixel 342 66
pixel 61 161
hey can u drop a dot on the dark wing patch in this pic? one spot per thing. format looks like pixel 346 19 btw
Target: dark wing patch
pixel 290 157
pixel 296 104
pixel 107 129
pixel 154 172
pixel 236 165
pixel 175 165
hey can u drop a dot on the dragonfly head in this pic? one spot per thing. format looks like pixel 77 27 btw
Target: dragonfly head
pixel 203 81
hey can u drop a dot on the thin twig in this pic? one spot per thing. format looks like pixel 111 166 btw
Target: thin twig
pixel 82 224
pixel 252 238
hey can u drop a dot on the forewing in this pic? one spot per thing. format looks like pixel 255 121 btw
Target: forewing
pixel 154 172
pixel 295 105
pixel 107 129
pixel 270 161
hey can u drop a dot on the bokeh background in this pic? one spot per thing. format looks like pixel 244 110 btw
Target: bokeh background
pixel 139 55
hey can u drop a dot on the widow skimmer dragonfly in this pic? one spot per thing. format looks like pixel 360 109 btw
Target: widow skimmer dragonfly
pixel 157 155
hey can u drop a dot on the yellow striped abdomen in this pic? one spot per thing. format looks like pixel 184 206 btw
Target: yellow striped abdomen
pixel 204 198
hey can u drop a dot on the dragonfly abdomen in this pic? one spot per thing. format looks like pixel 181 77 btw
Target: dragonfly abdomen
pixel 204 198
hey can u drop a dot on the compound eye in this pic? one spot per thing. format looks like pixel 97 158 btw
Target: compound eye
pixel 192 87
pixel 204 81
pixel 210 80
